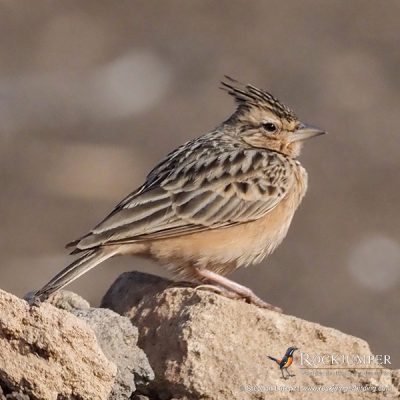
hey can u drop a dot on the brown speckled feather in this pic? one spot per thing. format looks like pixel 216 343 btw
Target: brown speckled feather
pixel 197 188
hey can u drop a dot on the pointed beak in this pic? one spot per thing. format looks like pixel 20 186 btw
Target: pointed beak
pixel 304 132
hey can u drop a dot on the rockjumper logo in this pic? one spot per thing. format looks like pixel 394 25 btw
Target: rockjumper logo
pixel 337 360
pixel 331 361
pixel 285 362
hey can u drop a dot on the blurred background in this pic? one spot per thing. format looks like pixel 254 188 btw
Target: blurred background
pixel 94 93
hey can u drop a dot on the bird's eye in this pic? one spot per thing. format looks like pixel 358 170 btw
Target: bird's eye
pixel 270 127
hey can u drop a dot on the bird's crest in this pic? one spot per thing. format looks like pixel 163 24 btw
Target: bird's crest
pixel 247 96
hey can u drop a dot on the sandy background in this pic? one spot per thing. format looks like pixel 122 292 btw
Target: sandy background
pixel 93 93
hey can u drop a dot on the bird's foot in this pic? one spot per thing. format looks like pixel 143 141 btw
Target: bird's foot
pixel 253 299
pixel 224 286
pixel 248 297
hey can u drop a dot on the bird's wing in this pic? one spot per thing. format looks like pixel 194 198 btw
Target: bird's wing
pixel 283 362
pixel 195 191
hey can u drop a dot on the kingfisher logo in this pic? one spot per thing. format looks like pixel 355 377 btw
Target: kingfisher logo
pixel 285 362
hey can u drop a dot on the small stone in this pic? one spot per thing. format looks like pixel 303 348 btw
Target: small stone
pixel 66 300
pixel 63 299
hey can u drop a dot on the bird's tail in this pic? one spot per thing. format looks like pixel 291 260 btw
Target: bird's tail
pixel 273 359
pixel 77 268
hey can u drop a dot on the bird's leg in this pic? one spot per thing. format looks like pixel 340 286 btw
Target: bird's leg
pixel 239 290
pixel 287 370
pixel 283 375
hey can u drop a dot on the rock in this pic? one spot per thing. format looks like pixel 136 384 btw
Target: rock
pixel 139 397
pixel 50 354
pixel 66 300
pixel 118 338
pixel 13 396
pixel 63 299
pixel 204 346
pixel 130 288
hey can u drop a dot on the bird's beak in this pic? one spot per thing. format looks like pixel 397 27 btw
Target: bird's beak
pixel 304 132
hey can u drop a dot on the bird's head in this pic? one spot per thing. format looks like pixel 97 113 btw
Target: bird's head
pixel 262 121
pixel 290 351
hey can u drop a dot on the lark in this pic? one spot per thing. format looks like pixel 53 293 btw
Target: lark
pixel 219 202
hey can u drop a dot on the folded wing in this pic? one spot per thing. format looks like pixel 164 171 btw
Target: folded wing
pixel 194 191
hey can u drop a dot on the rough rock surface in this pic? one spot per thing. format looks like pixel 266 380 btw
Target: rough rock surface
pixel 47 353
pixel 63 299
pixel 130 288
pixel 204 346
pixel 69 301
pixel 13 395
pixel 118 338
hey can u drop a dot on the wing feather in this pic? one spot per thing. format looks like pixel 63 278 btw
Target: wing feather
pixel 207 190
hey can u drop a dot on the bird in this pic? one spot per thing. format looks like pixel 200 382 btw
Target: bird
pixel 285 362
pixel 218 202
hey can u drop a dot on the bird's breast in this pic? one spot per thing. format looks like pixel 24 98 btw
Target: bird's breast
pixel 288 363
pixel 222 250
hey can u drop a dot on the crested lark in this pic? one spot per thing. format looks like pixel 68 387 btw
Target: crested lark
pixel 218 202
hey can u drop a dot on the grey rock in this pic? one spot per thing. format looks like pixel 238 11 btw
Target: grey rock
pixel 130 288
pixel 66 300
pixel 118 338
pixel 63 299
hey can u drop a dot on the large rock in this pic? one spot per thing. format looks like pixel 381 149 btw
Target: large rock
pixel 47 353
pixel 204 346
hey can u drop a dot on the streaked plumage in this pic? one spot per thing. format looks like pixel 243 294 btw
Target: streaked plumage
pixel 217 202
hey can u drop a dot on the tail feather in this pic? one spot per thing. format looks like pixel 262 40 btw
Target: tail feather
pixel 274 359
pixel 73 271
pixel 76 241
